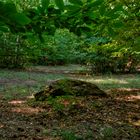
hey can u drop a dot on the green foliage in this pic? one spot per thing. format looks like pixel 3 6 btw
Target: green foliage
pixel 77 2
pixel 107 133
pixel 111 57
pixel 56 105
pixel 11 53
pixel 62 104
pixel 63 48
pixel 118 21
pixel 79 17
pixel 129 35
pixel 45 4
pixel 15 52
pixel 21 18
pixel 10 17
pixel 69 135
pixel 60 4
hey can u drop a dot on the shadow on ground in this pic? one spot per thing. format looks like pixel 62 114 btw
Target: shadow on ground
pixel 115 117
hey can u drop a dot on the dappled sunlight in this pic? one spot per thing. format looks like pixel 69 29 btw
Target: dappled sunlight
pixel 21 107
pixel 15 102
pixel 1 125
pixel 136 123
pixel 27 110
pixel 129 98
pixel 109 81
pixel 134 119
pixel 30 97
pixel 133 97
pixel 126 94
pixel 129 89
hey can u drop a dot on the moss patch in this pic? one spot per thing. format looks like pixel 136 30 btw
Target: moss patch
pixel 69 87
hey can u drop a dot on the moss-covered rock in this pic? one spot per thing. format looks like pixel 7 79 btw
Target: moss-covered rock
pixel 69 87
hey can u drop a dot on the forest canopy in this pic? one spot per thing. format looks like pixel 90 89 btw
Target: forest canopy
pixel 101 30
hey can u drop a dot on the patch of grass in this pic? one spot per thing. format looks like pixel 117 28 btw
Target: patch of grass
pixel 97 104
pixel 69 135
pixel 116 81
pixel 70 67
pixel 24 75
pixel 106 133
pixel 15 92
pixel 25 83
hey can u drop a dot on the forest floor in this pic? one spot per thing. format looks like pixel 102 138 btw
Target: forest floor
pixel 116 117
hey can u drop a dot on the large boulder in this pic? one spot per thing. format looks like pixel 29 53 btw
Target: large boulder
pixel 69 87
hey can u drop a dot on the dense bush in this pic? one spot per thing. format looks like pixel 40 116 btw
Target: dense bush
pixel 62 48
pixel 112 58
pixel 16 52
pixel 12 54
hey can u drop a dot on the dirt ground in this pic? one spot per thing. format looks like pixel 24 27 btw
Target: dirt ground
pixel 116 117
pixel 88 118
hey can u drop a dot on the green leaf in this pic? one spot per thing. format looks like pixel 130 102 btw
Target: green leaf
pixel 112 15
pixel 117 8
pixel 102 10
pixel 45 3
pixel 76 2
pixel 93 14
pixel 73 9
pixel 111 32
pixel 96 3
pixel 2 23
pixel 8 8
pixel 29 35
pixel 21 18
pixel 137 41
pixel 118 24
pixel 4 29
pixel 60 4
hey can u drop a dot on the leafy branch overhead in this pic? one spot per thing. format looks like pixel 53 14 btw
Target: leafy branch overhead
pixel 79 16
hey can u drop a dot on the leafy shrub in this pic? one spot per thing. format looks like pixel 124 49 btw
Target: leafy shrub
pixel 61 49
pixel 12 54
pixel 110 57
pixel 16 52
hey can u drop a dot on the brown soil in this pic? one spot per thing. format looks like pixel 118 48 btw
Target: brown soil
pixel 115 117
